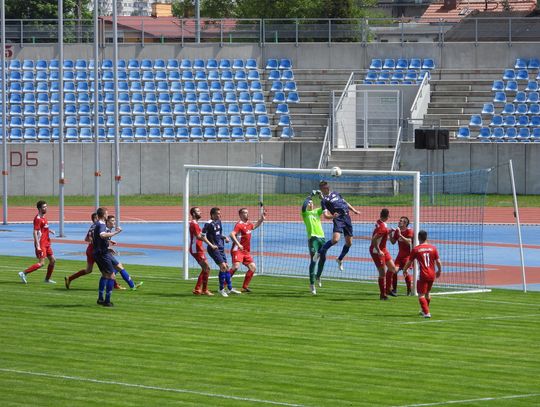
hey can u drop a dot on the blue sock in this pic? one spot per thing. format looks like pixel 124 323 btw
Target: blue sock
pixel 344 252
pixel 110 287
pixel 127 278
pixel 221 277
pixel 102 282
pixel 228 280
pixel 325 248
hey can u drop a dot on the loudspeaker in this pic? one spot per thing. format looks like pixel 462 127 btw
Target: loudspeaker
pixel 443 139
pixel 419 139
pixel 431 139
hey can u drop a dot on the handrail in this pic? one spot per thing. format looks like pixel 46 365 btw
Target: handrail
pixel 326 150
pixel 345 90
pixel 397 151
pixel 419 94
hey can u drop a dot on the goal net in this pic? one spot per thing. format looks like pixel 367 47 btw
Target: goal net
pixel 448 206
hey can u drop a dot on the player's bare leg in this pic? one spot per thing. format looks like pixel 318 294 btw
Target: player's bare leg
pixel 32 268
pixel 344 251
pixel 80 273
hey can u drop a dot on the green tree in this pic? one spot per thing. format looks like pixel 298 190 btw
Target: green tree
pixel 46 9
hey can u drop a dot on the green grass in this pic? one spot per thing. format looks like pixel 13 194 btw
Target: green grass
pixel 270 199
pixel 163 346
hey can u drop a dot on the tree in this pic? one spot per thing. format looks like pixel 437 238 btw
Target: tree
pixel 45 9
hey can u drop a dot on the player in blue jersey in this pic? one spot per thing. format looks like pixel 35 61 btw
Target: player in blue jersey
pixel 213 231
pixel 337 209
pixel 103 257
pixel 119 267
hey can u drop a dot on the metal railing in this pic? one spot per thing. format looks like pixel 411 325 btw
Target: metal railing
pixel 326 150
pixel 267 31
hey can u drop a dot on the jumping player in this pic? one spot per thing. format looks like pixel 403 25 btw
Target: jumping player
pixel 241 248
pixel 196 239
pixel 403 235
pixel 381 257
pixel 213 231
pixel 315 232
pixel 427 257
pixel 42 245
pixel 337 209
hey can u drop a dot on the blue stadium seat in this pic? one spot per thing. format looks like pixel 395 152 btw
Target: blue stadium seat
pixel 274 75
pixel 28 65
pixel 532 86
pixel 31 98
pixel 186 64
pixel 240 75
pixel 194 121
pixel 192 109
pixel 217 97
pixel 238 64
pixel 81 64
pixel 200 76
pixel 498 85
pixel 179 108
pixel 510 133
pixel 251 134
pixel 42 109
pixel 428 63
pixel 138 108
pixel 255 86
pixel 202 86
pixel 287 75
pixel 246 108
pixel 177 97
pixel 253 75
pixel 284 120
pixel 500 97
pixel 168 134
pixel 384 76
pixel 84 109
pixel 172 64
pixel 82 87
pixel 213 75
pixel 522 75
pixel 285 63
pixel 257 97
pixel 180 120
pixel 497 133
pixel 249 120
pixel 523 120
pixel 389 63
pixel 535 121
pixel 16 110
pixel 226 75
pixel 163 97
pixel 44 134
pixel 29 110
pixel 86 121
pixel 521 63
pixel 372 75
pixel 251 63
pixel 464 133
pixel 535 136
pixel 42 76
pixel 496 120
pixel 107 64
pixel 511 86
pixel 140 134
pixel 15 76
pixel 230 97
pixel 165 108
pixel 279 97
pixel 243 97
pixel 233 108
pixel 260 108
pixel 534 63
pixel 521 97
pixel 242 86
pixel 54 65
pixel 28 76
pixel 265 133
pixel 533 97
pixel 85 134
pixel 287 133
pixel 521 108
pixel 126 121
pixel 509 121
pixel 212 63
pixel 402 63
pixel 72 134
pixel 146 64
pixel 42 65
pixel 208 121
pixel 195 133
pixel 215 86
pixel 488 109
pixel 43 121
pixel 15 134
pixel 272 64
pixel 376 64
pixel 198 64
pixel 534 109
pixel 223 133
pixel 263 120
pixel 30 134
pixel 15 98
pixel 523 134
pixel 153 121
pixel 14 65
pixel 398 76
pixel 509 108
pixel 147 76
pixel 509 74
pixel 282 108
pixel 69 65
pixel 292 97
pixel 222 120
pixel 159 64
pixel 16 87
pixel 182 134
pixel 235 120
pixel 209 133
pixel 139 121
pixel 206 108
pixel 237 134
pixel 167 120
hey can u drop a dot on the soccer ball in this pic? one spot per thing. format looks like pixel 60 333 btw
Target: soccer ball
pixel 335 172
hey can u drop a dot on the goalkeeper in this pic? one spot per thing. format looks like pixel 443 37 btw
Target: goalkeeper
pixel 312 220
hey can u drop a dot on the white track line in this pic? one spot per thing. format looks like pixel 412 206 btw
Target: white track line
pixel 439 321
pixel 443 403
pixel 145 387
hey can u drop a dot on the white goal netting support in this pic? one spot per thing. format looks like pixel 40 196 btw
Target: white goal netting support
pixel 279 246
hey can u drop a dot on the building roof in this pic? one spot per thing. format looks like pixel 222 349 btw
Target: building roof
pixel 169 27
pixel 437 11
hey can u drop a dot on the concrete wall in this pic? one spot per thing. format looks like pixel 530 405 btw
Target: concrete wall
pixel 309 55
pixel 469 156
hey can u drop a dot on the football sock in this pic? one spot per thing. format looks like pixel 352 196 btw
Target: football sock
pixel 205 276
pixel 127 278
pixel 428 300
pixel 221 277
pixel 325 248
pixel 32 268
pixel 394 282
pixel 344 252
pixel 116 285
pixel 199 281
pixel 228 280
pixel 102 282
pixel 311 272
pixel 247 278
pixel 389 278
pixel 77 274
pixel 50 269
pixel 381 286
pixel 424 305
pixel 108 290
pixel 408 281
pixel 232 271
pixel 322 260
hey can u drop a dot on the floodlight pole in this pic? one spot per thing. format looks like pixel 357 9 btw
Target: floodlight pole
pixel 4 116
pixel 117 176
pixel 61 162
pixel 186 223
pixel 97 172
pixel 518 225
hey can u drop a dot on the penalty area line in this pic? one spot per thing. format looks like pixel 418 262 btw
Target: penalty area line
pixel 442 403
pixel 146 387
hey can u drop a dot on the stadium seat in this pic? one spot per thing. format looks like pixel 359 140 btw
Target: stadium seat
pixel 206 108
pixel 464 133
pixel 153 120
pixel 15 76
pixel 521 63
pixel 265 133
pixel 287 75
pixel 263 120
pixel 384 76
pixel 510 133
pixel 253 75
pixel 523 120
pixel 237 134
pixel 257 97
pixel 222 120
pixel 509 121
pixel 154 134
pixel 251 63
pixel 509 108
pixel 174 76
pixel 209 133
pixel 229 86
pixel 284 120
pixel 42 76
pixel 534 121
pixel 282 108
pixel 192 109
pixel 376 64
pixel 168 134
pixel 230 97
pixel 498 86
pixel 272 64
pixel 389 63
pixel 249 120
pixel 16 110
pixel 522 75
pixel 535 136
pixel 15 134
pixel 497 133
pixel 251 134
pixel 71 134
pixel 496 120
pixel 521 108
pixel 182 134
pixel 140 134
pixel 195 133
pixel 14 65
pixel 219 108
pixel 287 133
pixel 146 64
pixel 159 64
pixel 43 121
pixel 185 64
pixel 397 77
pixel 285 63
pixel 292 97
pixel 208 121
pixel 223 133
pixel 511 86
pixel 172 64
pixel 235 120
pixel 532 86
pixel 488 109
pixel 29 110
pixel 533 97
pixel 42 65
pixel 509 74
pixel 29 122
pixel 521 97
pixel 274 75
pixel 30 134
pixel 15 98
pixel 500 97
pixel 279 97
pixel 240 75
pixel 402 63
pixel 260 108
pixel 16 87
pixel 226 75
pixel 534 63
pixel 212 63
pixel 28 76
pixel 371 75
pixel 167 120
pixel 85 134
pixel 180 120
pixel 44 134
pixel 194 121
pixel 523 134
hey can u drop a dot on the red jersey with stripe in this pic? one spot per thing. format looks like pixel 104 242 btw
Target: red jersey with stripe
pixel 195 245
pixel 426 255
pixel 404 247
pixel 42 225
pixel 381 231
pixel 243 230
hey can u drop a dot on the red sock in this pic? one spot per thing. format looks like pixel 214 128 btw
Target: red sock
pixel 247 278
pixel 231 272
pixel 389 278
pixel 32 268
pixel 199 282
pixel 394 281
pixel 77 274
pixel 205 276
pixel 408 281
pixel 381 286
pixel 50 269
pixel 424 304
pixel 116 285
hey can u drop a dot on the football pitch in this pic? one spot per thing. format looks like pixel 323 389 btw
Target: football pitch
pixel 160 345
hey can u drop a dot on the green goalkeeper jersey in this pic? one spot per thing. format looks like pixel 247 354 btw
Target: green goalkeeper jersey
pixel 312 220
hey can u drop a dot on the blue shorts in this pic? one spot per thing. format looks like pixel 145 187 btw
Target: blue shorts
pixel 218 255
pixel 343 225
pixel 105 262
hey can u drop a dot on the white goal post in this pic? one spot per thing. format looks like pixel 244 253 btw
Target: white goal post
pixel 291 175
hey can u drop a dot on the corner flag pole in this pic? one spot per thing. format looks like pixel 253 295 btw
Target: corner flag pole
pixel 518 225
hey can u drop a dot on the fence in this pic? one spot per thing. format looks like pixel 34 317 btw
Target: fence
pixel 263 31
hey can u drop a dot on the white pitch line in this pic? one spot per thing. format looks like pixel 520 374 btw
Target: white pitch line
pixel 442 403
pixel 439 321
pixel 145 387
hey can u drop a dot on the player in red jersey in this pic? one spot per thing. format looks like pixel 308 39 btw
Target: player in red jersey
pixel 241 248
pixel 403 235
pixel 42 244
pixel 196 239
pixel 427 257
pixel 380 255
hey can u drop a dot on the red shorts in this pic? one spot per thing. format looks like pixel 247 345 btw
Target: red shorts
pixel 424 286
pixel 90 255
pixel 199 256
pixel 401 261
pixel 241 256
pixel 380 261
pixel 46 251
